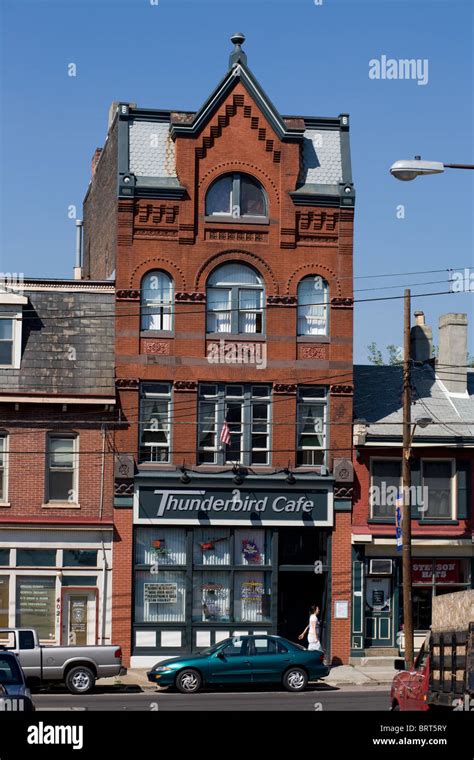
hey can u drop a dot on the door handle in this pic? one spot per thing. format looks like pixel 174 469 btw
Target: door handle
pixel 246 662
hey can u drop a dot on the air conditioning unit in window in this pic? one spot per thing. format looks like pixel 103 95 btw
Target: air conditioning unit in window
pixel 380 567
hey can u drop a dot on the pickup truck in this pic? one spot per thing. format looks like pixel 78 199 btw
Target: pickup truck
pixel 76 666
pixel 443 673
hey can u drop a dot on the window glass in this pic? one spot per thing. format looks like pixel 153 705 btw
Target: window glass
pixel 268 646
pixel 211 546
pixel 235 300
pixel 36 605
pixel 313 306
pixel 235 648
pixel 79 580
pixel 252 199
pixel 219 196
pixel 9 671
pixel 386 480
pixel 6 342
pixel 437 479
pixel 211 596
pixel 156 301
pixel 4 599
pixel 311 429
pixel 36 557
pixel 61 470
pixel 4 557
pixel 252 546
pixel 80 558
pixel 252 595
pixel 155 546
pixel 160 597
pixel 2 467
pixel 155 422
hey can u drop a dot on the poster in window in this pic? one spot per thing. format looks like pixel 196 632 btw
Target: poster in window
pixel 250 551
pixel 252 591
pixel 161 593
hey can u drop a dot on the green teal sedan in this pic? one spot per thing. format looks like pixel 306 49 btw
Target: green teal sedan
pixel 243 660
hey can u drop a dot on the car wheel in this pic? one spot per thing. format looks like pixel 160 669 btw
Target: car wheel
pixel 188 681
pixel 80 680
pixel 295 679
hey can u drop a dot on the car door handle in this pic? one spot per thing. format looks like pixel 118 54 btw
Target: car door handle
pixel 246 662
pixel 287 660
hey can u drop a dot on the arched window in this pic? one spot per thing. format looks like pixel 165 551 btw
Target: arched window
pixel 157 301
pixel 236 195
pixel 313 295
pixel 235 300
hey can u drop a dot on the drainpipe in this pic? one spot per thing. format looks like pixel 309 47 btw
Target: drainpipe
pixel 78 267
pixel 104 593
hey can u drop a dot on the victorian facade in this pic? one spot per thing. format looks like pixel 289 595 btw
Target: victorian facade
pixel 230 234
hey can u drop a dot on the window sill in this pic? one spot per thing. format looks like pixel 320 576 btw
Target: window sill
pixel 229 219
pixel 441 521
pixel 313 339
pixel 156 334
pixel 60 505
pixel 4 504
pixel 237 337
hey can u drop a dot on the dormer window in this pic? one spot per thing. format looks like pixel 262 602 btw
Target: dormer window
pixel 10 329
pixel 237 196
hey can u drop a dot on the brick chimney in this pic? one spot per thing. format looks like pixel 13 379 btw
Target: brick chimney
pixel 421 339
pixel 452 355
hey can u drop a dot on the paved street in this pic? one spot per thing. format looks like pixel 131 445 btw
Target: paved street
pixel 344 698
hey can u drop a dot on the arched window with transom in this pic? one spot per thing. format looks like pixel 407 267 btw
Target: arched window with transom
pixel 235 295
pixel 157 301
pixel 237 195
pixel 313 311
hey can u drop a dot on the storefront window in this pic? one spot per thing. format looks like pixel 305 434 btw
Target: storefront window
pixel 79 558
pixel 36 557
pixel 211 596
pixel 252 547
pixel 160 597
pixel 211 546
pixel 252 597
pixel 35 603
pixel 4 597
pixel 160 546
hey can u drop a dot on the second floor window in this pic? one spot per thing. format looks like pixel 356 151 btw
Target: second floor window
pixel 157 301
pixel 313 296
pixel 155 422
pixel 234 424
pixel 437 479
pixel 311 448
pixel 235 300
pixel 236 196
pixel 3 468
pixel 386 481
pixel 62 474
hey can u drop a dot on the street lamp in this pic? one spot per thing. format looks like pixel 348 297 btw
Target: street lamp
pixel 408 170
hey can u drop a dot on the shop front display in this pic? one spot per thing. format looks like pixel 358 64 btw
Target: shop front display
pixel 203 572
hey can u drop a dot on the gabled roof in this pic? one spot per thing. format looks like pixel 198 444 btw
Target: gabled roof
pixel 378 401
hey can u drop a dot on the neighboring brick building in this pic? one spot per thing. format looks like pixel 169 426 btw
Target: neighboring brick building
pixel 442 462
pixel 57 397
pixel 230 232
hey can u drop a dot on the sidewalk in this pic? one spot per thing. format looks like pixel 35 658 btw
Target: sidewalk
pixel 340 675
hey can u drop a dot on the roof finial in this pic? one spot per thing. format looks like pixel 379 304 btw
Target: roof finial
pixel 237 55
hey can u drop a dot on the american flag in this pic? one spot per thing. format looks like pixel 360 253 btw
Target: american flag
pixel 225 433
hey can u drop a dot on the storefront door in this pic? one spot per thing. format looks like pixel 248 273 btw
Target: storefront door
pixel 78 617
pixel 378 612
pixel 298 591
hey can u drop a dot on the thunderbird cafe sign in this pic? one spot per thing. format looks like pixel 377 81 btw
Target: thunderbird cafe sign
pixel 212 506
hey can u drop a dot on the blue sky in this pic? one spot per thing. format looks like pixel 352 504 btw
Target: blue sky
pixel 310 59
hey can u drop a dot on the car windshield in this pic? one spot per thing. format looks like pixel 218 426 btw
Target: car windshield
pixel 215 647
pixel 9 671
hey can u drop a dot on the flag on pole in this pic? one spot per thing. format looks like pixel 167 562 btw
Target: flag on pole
pixel 225 433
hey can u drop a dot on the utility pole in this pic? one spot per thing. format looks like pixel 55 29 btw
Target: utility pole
pixel 406 482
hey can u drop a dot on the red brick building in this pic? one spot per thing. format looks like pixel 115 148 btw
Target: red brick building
pixel 442 463
pixel 57 397
pixel 230 233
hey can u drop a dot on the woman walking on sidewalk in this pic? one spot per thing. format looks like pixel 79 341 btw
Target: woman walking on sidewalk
pixel 312 629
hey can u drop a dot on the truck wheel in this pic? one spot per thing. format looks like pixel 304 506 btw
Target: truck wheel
pixel 80 680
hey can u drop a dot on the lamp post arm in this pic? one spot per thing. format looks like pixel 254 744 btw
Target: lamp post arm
pixel 460 166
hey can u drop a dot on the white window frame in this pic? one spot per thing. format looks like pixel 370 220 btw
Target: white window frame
pixel 16 319
pixel 323 401
pixel 381 459
pixel 325 289
pixel 167 428
pixel 75 460
pixel 454 490
pixel 161 308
